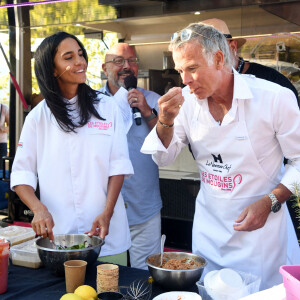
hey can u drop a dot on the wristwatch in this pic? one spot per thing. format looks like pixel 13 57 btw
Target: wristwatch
pixel 152 116
pixel 276 205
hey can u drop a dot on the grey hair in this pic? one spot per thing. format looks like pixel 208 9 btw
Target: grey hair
pixel 209 38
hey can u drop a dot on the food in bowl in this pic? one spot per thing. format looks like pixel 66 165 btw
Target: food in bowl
pixel 54 259
pixel 173 279
pixel 83 245
pixel 174 263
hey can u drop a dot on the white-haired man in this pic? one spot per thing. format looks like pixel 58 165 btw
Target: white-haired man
pixel 239 133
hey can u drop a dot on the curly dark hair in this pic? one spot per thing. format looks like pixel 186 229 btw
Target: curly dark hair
pixel 44 70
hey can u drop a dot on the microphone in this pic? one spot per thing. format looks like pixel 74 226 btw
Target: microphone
pixel 67 69
pixel 130 82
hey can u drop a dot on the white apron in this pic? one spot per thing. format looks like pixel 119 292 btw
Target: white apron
pixel 231 179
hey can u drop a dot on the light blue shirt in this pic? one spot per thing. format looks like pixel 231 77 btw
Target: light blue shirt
pixel 141 191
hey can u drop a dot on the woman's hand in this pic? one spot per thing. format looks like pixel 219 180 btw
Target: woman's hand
pixel 100 226
pixel 42 223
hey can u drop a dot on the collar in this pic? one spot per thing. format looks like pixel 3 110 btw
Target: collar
pixel 241 89
pixel 72 100
pixel 106 90
pixel 240 66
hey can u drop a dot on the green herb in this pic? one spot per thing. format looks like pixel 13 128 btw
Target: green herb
pixel 74 247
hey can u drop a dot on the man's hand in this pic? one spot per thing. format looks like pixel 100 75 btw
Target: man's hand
pixel 137 99
pixel 254 216
pixel 169 105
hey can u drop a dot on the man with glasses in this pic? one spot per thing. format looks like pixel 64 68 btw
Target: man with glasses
pixel 239 128
pixel 141 191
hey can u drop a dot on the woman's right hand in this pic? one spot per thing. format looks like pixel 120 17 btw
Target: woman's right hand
pixel 42 223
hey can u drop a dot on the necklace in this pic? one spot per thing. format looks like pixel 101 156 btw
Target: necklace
pixel 240 66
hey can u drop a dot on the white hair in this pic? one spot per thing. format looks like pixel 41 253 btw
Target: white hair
pixel 208 37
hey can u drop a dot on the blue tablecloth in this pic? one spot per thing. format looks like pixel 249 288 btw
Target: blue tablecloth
pixel 40 284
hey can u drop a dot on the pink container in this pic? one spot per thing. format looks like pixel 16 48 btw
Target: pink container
pixel 291 281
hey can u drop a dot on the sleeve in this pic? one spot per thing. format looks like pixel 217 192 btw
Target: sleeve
pixel 120 162
pixel 287 129
pixel 121 99
pixel 165 156
pixel 24 169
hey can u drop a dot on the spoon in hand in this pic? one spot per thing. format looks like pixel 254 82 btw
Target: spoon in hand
pixel 162 244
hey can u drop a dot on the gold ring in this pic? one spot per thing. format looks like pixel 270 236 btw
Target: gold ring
pixel 135 99
pixel 179 105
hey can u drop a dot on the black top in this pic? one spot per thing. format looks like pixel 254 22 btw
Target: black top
pixel 270 74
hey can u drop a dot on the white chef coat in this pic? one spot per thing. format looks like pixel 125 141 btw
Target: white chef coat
pixel 239 162
pixel 73 169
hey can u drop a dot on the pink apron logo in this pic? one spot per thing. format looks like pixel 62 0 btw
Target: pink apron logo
pixel 224 183
pixel 100 125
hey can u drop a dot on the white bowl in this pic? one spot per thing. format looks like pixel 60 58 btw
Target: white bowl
pixel 222 283
pixel 178 295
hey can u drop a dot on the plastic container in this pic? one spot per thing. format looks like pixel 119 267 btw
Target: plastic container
pixel 251 286
pixel 4 249
pixel 17 234
pixel 25 255
pixel 291 281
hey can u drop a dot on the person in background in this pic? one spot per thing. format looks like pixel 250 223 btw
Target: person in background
pixel 141 191
pixel 246 67
pixel 239 128
pixel 73 144
pixel 4 129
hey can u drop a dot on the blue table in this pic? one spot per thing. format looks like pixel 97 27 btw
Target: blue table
pixel 41 284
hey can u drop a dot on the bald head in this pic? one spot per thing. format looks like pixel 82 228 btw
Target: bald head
pixel 120 49
pixel 116 72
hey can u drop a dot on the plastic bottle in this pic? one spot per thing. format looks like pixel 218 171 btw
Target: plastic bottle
pixel 4 250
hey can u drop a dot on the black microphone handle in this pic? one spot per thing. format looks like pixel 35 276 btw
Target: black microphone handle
pixel 137 116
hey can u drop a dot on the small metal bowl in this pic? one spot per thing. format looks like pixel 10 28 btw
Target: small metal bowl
pixel 175 280
pixel 54 259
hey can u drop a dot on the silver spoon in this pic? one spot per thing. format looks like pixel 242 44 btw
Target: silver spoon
pixel 162 244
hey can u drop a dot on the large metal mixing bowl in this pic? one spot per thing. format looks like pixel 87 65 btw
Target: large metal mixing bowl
pixel 54 259
pixel 175 280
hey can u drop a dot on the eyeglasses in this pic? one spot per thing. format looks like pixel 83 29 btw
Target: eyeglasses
pixel 120 61
pixel 185 35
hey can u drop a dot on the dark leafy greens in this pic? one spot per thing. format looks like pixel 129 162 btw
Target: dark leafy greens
pixel 83 245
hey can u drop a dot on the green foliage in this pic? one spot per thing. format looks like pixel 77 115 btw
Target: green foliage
pixel 296 200
pixel 50 18
pixel 96 50
pixel 3 19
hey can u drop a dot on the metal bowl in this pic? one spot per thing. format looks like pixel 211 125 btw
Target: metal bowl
pixel 54 259
pixel 175 280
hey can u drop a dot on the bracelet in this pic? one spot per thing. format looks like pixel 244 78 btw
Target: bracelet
pixel 166 126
